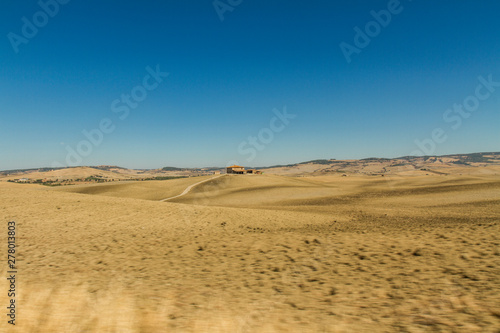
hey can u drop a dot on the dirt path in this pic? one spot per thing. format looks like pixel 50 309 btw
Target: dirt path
pixel 190 187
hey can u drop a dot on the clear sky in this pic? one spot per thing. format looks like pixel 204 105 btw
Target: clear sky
pixel 254 82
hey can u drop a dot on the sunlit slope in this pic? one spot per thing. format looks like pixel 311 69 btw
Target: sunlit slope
pixel 419 195
pixel 147 190
pixel 68 173
pixel 256 190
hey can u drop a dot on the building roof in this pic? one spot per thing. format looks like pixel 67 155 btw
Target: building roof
pixel 235 166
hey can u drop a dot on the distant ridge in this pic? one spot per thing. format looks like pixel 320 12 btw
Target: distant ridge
pixel 464 159
pixel 470 157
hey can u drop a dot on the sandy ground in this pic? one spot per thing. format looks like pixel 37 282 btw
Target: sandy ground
pixel 258 254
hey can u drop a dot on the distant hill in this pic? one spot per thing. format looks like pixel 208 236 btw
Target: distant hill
pixel 172 169
pixel 454 163
pixel 472 157
pixel 108 167
pixel 45 169
pixel 445 164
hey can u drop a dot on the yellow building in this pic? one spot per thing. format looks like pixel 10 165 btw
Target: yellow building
pixel 235 169
pixel 239 170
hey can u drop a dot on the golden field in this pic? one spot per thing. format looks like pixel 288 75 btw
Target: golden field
pixel 258 253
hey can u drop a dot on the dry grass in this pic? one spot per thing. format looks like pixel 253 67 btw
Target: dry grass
pixel 259 254
pixel 72 173
pixel 147 190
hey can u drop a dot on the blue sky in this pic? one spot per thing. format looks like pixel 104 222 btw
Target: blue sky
pixel 227 76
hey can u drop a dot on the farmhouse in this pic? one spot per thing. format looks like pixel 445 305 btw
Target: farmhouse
pixel 239 170
pixel 235 169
